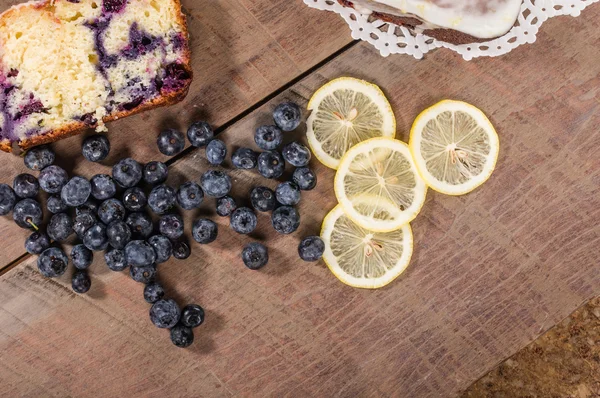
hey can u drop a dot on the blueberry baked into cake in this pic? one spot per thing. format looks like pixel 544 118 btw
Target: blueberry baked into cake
pixel 452 21
pixel 70 64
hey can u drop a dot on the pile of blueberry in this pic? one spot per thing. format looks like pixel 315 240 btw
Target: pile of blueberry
pixel 108 213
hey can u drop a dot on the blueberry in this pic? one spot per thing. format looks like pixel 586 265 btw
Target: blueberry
pixel 111 210
pixel 52 179
pixel 262 199
pixel 255 255
pixel 244 158
pixel 311 248
pixel 243 220
pixel 155 173
pixel 54 204
pixel 153 292
pixel 268 137
pixel 216 151
pixel 95 237
pixel 170 142
pixel 127 173
pixel 285 220
pixel 162 198
pixel 28 214
pixel 288 193
pixel 287 116
pixel 171 226
pixel 200 134
pixel 305 178
pixel 215 183
pixel 115 260
pixel 81 256
pixel 39 157
pixel 296 154
pixel 182 336
pixel 204 231
pixel 140 224
pixel 81 282
pixel 83 221
pixel 145 274
pixel 90 205
pixel 225 206
pixel 103 187
pixel 76 192
pixel 26 186
pixel 190 196
pixel 60 227
pixel 37 242
pixel 165 313
pixel 271 164
pixel 181 250
pixel 162 247
pixel 192 315
pixel 139 253
pixel 118 234
pixel 134 199
pixel 110 5
pixel 8 199
pixel 52 262
pixel 95 148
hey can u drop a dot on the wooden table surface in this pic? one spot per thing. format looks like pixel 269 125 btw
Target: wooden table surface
pixel 491 270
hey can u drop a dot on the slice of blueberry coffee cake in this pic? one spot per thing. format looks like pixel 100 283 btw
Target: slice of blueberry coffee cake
pixel 66 65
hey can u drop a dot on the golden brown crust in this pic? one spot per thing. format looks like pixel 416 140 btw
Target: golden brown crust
pixel 76 127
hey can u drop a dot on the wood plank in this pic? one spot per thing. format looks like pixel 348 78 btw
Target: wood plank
pixel 491 271
pixel 241 52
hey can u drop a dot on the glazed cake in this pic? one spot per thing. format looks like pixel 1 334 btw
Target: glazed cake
pixel 453 21
pixel 70 64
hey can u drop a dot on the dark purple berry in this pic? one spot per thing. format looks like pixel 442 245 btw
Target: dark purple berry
pixel 287 116
pixel 26 186
pixel 255 255
pixel 8 199
pixel 165 313
pixel 28 214
pixel 170 142
pixel 81 282
pixel 60 227
pixel 76 192
pixel 192 315
pixel 182 336
pixel 155 173
pixel 225 206
pixel 268 137
pixel 39 157
pixel 37 242
pixel 81 256
pixel 52 179
pixel 95 148
pixel 134 199
pixel 52 263
pixel 200 134
pixel 204 231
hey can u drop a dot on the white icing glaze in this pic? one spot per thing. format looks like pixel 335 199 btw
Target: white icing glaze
pixel 480 18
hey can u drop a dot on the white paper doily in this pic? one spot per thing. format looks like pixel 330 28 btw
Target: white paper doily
pixel 389 38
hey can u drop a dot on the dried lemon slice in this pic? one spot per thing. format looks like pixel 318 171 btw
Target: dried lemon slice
pixel 363 258
pixel 455 147
pixel 346 111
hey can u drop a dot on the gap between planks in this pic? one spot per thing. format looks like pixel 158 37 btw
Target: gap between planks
pixel 248 111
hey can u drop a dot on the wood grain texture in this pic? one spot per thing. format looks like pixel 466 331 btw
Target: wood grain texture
pixel 491 271
pixel 240 55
